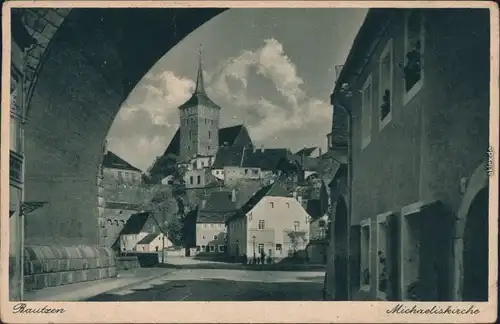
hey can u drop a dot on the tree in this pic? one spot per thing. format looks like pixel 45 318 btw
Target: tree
pixel 297 237
pixel 159 201
pixel 175 230
pixel 165 165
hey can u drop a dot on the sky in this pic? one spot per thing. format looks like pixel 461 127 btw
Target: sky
pixel 270 69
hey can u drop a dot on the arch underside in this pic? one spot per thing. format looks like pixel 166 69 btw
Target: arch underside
pixel 93 58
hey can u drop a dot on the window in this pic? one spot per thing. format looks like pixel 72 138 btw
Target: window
pixel 203 236
pixel 272 204
pixel 414 50
pixel 15 134
pixel 365 256
pixel 207 248
pixel 211 225
pixel 246 171
pixel 278 247
pixel 385 85
pixel 250 216
pixel 199 179
pixel 209 135
pixel 215 237
pixel 203 248
pixel 287 205
pixel 262 224
pixel 381 264
pixel 255 172
pixel 212 248
pixel 202 164
pixel 296 226
pixel 221 248
pixel 261 248
pixel 321 233
pixel 191 180
pixel 366 114
pixel 321 223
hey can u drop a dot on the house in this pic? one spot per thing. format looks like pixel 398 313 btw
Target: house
pixel 214 210
pixel 272 222
pixel 418 83
pixel 137 227
pixel 153 243
pixel 233 164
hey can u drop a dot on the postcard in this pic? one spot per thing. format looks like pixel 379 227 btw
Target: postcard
pixel 249 162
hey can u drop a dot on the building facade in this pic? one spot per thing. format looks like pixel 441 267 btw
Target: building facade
pixel 272 222
pixel 153 242
pixel 21 43
pixel 121 192
pixel 417 82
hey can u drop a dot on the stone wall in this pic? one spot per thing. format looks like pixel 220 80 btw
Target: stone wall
pixel 50 266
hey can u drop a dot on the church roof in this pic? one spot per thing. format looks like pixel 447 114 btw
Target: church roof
pixel 199 96
pixel 236 156
pixel 227 135
pixel 111 160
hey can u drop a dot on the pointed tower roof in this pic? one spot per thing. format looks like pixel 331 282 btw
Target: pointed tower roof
pixel 199 96
pixel 200 84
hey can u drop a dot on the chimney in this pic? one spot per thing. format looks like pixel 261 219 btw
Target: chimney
pixel 233 195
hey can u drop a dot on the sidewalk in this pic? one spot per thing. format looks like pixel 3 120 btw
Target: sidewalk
pixel 84 290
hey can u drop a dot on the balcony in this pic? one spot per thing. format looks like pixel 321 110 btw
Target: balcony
pixel 16 167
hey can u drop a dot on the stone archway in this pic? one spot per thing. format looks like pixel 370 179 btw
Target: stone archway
pixel 76 86
pixel 473 213
pixel 475 251
pixel 340 236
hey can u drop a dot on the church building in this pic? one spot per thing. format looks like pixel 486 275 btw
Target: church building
pixel 199 136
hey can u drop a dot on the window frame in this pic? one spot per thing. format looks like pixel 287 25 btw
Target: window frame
pixel 409 95
pixel 280 247
pixel 263 222
pixel 388 50
pixel 381 219
pixel 296 226
pixel 220 248
pixel 366 135
pixel 363 287
pixel 212 248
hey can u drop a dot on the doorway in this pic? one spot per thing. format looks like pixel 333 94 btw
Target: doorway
pixel 341 251
pixel 475 253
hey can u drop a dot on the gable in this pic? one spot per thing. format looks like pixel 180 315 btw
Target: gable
pixel 111 160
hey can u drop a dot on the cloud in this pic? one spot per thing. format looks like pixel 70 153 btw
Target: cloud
pixel 279 111
pixel 269 117
pixel 149 117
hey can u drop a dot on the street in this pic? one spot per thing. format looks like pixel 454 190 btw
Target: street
pixel 198 284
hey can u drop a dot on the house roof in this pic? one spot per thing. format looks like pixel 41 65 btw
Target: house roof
pixel 219 204
pixel 135 223
pixel 306 151
pixel 273 190
pixel 148 238
pixel 237 156
pixel 111 160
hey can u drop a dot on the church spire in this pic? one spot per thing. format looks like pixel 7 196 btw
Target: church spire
pixel 200 86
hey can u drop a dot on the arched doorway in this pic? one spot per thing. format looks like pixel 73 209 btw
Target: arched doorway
pixel 341 251
pixel 475 252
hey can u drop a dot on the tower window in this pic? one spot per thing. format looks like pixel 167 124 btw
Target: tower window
pixel 209 135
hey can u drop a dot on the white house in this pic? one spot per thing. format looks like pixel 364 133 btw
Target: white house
pixel 153 242
pixel 272 222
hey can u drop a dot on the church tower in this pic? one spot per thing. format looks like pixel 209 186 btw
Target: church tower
pixel 199 128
